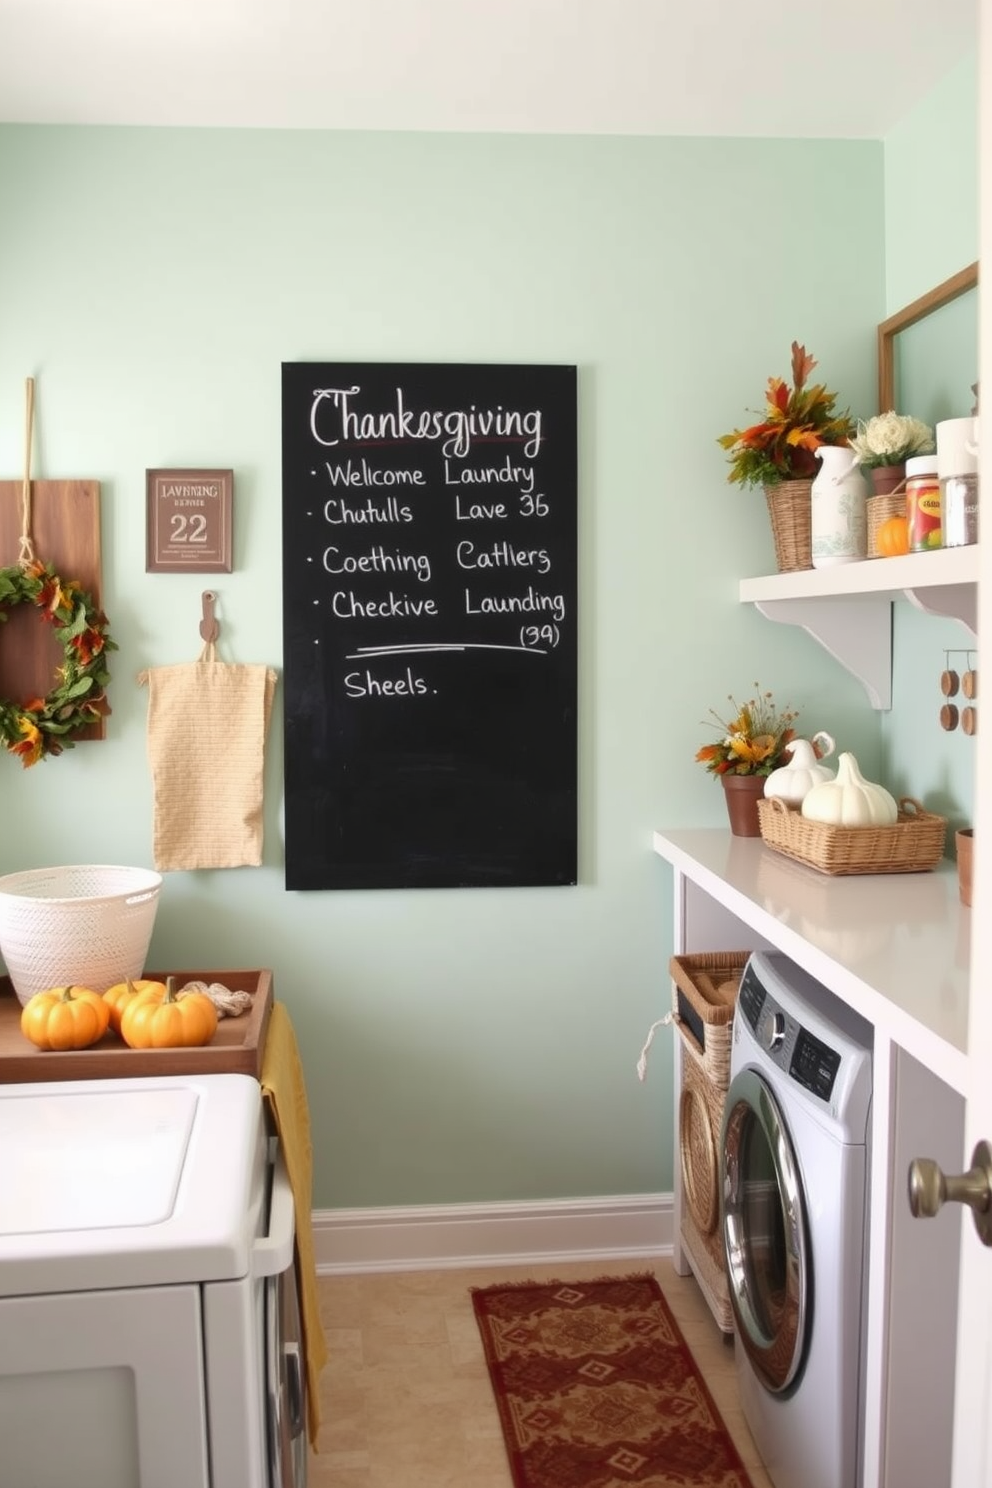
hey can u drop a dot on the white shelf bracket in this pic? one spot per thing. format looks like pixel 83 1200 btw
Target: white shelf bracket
pixel 857 633
pixel 953 601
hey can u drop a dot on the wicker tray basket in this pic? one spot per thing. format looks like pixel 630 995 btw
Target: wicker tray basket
pixel 914 844
pixel 704 994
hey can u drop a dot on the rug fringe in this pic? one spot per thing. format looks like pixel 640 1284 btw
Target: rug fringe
pixel 510 1286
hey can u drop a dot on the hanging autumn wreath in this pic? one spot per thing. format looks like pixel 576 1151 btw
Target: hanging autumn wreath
pixel 45 726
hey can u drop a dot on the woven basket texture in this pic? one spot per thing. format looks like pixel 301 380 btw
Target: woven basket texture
pixel 86 924
pixel 708 982
pixel 913 844
pixel 879 509
pixel 700 1119
pixel 790 510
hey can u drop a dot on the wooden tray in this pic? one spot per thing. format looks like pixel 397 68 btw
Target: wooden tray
pixel 236 1047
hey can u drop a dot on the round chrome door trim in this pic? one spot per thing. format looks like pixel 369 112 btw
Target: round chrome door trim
pixel 777 1357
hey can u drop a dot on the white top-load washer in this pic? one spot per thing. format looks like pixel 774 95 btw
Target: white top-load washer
pixel 149 1320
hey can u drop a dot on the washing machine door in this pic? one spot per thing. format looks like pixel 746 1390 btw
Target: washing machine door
pixel 764 1233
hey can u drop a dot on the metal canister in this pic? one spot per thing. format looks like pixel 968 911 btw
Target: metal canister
pixel 923 503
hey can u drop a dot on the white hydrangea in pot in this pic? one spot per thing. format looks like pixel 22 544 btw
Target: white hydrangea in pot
pixel 883 444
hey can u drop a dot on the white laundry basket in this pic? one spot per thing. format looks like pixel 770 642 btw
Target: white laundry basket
pixel 87 924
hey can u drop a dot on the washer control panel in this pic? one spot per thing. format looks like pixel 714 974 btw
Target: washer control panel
pixel 814 1065
pixel 809 1061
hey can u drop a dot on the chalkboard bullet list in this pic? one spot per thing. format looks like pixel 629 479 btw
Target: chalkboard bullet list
pixel 423 636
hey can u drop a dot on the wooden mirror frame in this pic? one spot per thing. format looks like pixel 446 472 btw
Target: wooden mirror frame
pixel 934 299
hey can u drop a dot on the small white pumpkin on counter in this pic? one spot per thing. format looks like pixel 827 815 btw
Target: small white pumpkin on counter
pixel 793 782
pixel 850 800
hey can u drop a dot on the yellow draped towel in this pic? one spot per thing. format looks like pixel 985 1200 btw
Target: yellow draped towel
pixel 207 722
pixel 285 1091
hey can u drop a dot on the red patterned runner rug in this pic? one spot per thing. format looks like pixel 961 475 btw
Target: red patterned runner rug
pixel 596 1388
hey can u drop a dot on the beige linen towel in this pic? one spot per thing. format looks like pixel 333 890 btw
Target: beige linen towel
pixel 207 722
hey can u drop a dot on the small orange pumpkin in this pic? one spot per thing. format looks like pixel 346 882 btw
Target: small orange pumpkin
pixel 167 1020
pixel 118 996
pixel 892 537
pixel 65 1018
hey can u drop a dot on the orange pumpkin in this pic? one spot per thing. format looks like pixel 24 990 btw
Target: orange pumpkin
pixel 65 1018
pixel 892 537
pixel 118 996
pixel 167 1020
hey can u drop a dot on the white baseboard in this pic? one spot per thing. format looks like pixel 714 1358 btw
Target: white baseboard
pixel 445 1236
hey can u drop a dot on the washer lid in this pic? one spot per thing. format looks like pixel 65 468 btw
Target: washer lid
pixel 136 1182
pixel 92 1159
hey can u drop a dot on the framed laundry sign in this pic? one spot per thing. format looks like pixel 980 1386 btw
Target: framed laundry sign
pixel 188 521
pixel 430 622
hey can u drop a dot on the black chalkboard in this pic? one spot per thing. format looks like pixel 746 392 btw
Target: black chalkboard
pixel 429 620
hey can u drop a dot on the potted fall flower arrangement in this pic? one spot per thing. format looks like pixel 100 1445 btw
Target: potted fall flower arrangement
pixel 779 454
pixel 884 443
pixel 753 742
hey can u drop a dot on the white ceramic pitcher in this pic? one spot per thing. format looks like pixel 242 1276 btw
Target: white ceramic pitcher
pixel 838 520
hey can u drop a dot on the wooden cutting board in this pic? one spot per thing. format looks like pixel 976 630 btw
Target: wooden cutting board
pixel 65 532
pixel 236 1047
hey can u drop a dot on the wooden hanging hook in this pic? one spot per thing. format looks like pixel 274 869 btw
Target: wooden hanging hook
pixel 209 625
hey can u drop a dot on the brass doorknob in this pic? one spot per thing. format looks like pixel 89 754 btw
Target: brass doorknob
pixel 930 1188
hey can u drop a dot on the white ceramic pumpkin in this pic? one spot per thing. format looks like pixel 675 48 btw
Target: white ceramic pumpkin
pixel 793 782
pixel 850 800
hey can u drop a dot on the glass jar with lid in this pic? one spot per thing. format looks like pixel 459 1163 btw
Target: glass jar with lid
pixel 957 468
pixel 923 503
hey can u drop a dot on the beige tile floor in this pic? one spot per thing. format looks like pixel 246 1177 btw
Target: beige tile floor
pixel 405 1396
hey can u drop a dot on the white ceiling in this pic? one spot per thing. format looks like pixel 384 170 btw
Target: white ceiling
pixel 794 68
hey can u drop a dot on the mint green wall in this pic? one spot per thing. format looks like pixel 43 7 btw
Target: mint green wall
pixel 931 188
pixel 476 1045
pixel 931 231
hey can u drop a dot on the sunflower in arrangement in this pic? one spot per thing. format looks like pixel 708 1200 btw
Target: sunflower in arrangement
pixel 753 740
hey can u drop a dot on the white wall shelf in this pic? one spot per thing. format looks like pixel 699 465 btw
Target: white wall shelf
pixel 848 609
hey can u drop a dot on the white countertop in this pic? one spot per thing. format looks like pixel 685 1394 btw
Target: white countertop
pixel 895 946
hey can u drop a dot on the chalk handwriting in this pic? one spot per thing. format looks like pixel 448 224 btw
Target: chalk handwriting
pixel 333 419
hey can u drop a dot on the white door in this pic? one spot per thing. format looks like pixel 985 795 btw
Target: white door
pixel 972 1418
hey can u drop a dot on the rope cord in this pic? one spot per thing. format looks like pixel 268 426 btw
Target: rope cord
pixel 642 1063
pixel 26 555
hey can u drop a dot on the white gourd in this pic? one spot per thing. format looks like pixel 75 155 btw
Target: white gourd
pixel 850 800
pixel 792 782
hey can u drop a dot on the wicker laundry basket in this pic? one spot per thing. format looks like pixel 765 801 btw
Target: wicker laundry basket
pixel 86 924
pixel 704 994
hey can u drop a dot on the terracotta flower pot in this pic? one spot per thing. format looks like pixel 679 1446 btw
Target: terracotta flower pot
pixel 885 478
pixel 742 793
pixel 964 839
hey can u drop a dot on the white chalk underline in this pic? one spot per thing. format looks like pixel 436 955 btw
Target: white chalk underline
pixel 414 646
